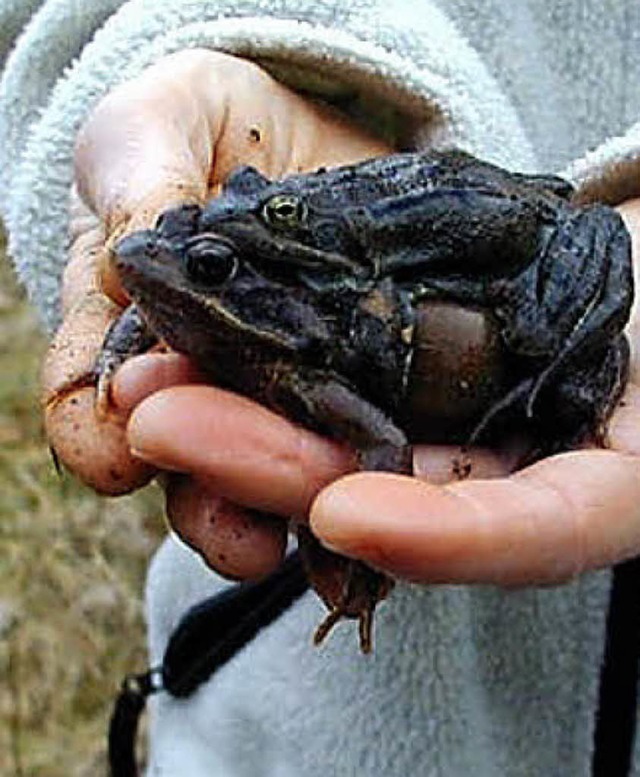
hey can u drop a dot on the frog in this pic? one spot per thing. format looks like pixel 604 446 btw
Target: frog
pixel 322 296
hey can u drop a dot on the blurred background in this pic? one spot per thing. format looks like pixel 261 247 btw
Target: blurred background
pixel 72 569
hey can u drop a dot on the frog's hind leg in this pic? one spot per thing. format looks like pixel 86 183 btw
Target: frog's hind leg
pixel 318 400
pixel 349 588
pixel 607 309
pixel 507 405
pixel 582 403
pixel 516 396
pixel 362 586
pixel 576 409
pixel 336 614
pixel 619 356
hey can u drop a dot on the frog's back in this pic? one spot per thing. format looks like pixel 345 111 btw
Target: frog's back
pixel 367 182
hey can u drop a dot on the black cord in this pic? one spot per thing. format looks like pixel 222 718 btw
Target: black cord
pixel 617 709
pixel 210 633
pixel 215 630
pixel 123 726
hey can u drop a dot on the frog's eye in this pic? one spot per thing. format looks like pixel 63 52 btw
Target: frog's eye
pixel 284 211
pixel 210 262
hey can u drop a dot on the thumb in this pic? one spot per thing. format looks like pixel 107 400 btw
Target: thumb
pixel 146 147
pixel 148 144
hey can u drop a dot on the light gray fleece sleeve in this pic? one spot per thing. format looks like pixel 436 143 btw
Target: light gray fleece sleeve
pixel 611 172
pixel 14 15
pixel 46 49
pixel 394 58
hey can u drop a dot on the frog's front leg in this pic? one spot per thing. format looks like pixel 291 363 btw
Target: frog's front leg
pixel 128 336
pixel 318 400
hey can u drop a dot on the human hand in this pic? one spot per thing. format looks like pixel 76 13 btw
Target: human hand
pixel 168 137
pixel 542 525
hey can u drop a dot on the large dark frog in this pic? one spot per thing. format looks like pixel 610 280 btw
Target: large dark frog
pixel 336 298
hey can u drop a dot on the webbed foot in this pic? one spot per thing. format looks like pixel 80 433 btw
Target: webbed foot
pixel 349 588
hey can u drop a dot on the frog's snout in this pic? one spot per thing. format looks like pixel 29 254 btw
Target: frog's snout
pixel 133 252
pixel 136 246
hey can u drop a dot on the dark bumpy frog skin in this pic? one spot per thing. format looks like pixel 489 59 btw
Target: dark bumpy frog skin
pixel 314 295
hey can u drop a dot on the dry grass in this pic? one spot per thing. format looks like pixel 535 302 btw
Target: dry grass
pixel 71 577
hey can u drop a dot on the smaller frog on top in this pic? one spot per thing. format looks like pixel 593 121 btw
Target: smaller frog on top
pixel 323 296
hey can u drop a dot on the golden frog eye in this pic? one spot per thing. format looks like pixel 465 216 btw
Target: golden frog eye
pixel 284 211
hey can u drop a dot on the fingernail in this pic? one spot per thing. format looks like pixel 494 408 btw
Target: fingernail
pixel 332 515
pixel 142 435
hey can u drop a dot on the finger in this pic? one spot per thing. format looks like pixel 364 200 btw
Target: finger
pixel 245 452
pixel 237 543
pixel 544 525
pixel 87 238
pixel 143 375
pixel 146 145
pixel 177 131
pixel 127 178
pixel 96 451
